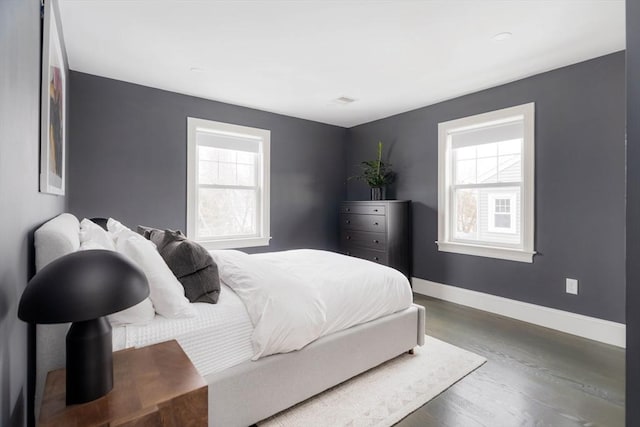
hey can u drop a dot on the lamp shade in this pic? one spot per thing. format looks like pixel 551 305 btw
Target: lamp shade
pixel 81 286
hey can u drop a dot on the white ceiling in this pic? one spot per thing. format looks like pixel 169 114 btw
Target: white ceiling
pixel 296 57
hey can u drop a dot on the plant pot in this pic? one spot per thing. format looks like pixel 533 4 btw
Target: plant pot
pixel 378 193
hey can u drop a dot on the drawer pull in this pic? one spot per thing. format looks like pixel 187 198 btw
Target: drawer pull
pixel 375 241
pixel 348 221
pixel 348 253
pixel 348 209
pixel 348 237
pixel 375 258
pixel 375 210
pixel 375 223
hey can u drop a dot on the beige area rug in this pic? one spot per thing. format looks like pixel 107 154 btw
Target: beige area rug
pixel 386 394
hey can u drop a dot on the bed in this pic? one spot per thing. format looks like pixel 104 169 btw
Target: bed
pixel 242 391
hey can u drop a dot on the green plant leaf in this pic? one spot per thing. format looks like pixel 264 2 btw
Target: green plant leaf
pixel 376 173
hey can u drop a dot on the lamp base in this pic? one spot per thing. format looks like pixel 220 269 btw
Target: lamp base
pixel 89 360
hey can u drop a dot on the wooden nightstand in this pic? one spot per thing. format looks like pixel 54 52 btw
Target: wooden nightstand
pixel 152 386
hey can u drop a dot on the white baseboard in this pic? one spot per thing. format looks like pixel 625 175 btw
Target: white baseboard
pixel 576 324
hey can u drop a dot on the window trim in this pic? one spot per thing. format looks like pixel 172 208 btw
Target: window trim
pixel 229 242
pixel 444 242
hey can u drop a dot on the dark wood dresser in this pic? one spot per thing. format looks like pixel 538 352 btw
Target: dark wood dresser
pixel 379 231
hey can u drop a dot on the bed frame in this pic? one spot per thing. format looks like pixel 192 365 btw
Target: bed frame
pixel 254 390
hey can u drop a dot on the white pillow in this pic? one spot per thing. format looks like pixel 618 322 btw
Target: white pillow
pixel 91 233
pixel 167 294
pixel 92 238
pixel 90 245
pixel 116 227
pixel 139 314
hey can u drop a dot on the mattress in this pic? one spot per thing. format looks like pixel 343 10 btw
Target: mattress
pixel 218 338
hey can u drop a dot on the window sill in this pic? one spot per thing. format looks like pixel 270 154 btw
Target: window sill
pixel 235 243
pixel 487 251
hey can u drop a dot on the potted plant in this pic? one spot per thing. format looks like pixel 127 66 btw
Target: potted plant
pixel 377 174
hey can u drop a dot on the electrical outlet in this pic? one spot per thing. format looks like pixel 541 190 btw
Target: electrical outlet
pixel 572 286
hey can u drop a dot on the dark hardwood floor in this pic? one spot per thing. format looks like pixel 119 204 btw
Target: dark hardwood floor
pixel 533 376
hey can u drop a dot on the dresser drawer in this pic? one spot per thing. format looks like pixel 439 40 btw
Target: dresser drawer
pixel 368 254
pixel 378 231
pixel 363 239
pixel 375 223
pixel 362 209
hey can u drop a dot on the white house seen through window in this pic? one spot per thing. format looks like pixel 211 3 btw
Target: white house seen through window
pixel 502 213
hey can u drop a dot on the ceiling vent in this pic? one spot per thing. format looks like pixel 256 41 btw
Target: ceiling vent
pixel 500 37
pixel 344 100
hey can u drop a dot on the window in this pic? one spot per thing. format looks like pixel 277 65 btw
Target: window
pixel 502 217
pixel 486 184
pixel 227 184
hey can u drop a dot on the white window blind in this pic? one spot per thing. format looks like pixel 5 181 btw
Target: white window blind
pixel 229 188
pixel 486 184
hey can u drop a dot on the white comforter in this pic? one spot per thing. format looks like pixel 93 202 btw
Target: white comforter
pixel 295 297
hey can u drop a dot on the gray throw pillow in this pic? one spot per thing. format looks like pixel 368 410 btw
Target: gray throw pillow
pixel 191 263
pixel 147 231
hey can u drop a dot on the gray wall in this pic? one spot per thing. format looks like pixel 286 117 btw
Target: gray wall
pixel 128 160
pixel 633 213
pixel 128 157
pixel 22 208
pixel 580 187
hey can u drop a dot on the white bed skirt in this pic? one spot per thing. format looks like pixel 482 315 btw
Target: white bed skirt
pixel 254 390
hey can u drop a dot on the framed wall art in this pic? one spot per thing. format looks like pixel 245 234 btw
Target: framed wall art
pixel 53 141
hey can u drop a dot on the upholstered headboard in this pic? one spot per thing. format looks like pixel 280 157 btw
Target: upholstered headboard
pixel 57 237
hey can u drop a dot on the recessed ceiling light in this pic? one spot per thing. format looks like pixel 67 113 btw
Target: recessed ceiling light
pixel 196 70
pixel 502 36
pixel 344 100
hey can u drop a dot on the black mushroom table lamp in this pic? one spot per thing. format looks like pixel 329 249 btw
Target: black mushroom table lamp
pixel 82 288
